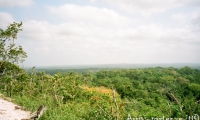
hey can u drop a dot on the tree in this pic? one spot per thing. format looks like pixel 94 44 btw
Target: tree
pixel 9 52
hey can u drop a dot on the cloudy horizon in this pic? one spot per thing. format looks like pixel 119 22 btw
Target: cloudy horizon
pixel 75 32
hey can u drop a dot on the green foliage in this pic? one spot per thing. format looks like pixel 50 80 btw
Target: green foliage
pixel 9 55
pixel 151 92
pixel 8 50
pixel 150 87
pixel 195 88
pixel 8 67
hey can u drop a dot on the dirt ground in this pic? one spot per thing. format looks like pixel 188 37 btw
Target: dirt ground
pixel 8 111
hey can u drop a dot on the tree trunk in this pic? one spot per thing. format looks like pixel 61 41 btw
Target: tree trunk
pixel 37 114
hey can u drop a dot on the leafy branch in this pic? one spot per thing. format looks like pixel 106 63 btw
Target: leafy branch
pixel 8 50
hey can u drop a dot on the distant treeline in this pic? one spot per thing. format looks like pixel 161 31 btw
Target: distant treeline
pixel 96 68
pixel 80 70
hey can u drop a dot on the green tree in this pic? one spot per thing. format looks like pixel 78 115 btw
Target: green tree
pixel 9 52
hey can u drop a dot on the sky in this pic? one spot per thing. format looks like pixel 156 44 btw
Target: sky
pixel 87 32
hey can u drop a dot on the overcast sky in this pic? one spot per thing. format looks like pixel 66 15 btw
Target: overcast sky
pixel 82 32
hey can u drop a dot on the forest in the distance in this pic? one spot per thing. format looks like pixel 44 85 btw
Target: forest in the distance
pixel 96 68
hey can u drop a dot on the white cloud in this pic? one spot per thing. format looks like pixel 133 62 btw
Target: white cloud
pixel 148 7
pixel 91 35
pixel 185 18
pixel 10 3
pixel 37 30
pixel 189 21
pixel 5 19
pixel 71 43
pixel 90 15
